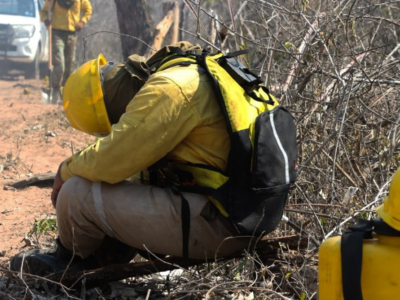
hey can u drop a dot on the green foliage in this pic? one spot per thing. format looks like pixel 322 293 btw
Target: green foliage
pixel 245 59
pixel 364 215
pixel 42 227
pixel 302 296
pixel 235 273
pixel 305 4
pixel 211 2
pixel 290 47
pixel 323 221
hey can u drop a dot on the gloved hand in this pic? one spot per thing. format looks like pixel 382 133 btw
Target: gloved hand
pixel 47 22
pixel 57 185
pixel 79 26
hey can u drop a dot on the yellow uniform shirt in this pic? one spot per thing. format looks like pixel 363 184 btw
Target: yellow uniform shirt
pixel 175 114
pixel 66 19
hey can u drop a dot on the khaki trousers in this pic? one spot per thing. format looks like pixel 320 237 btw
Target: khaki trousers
pixel 64 46
pixel 142 216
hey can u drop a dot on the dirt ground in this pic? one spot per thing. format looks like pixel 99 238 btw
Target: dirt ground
pixel 34 139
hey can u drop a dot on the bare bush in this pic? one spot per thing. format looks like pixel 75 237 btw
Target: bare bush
pixel 334 64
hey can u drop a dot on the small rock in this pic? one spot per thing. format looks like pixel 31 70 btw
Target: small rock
pixel 8 188
pixel 27 242
pixel 122 290
pixel 36 127
pixel 3 253
pixel 49 133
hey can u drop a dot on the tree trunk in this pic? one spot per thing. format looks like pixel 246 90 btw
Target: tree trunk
pixel 161 31
pixel 172 36
pixel 134 19
pixel 175 31
pixel 182 19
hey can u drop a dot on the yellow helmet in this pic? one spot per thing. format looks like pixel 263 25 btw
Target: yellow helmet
pixel 84 100
pixel 389 211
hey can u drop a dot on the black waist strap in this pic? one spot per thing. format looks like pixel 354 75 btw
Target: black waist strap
pixel 63 31
pixel 185 218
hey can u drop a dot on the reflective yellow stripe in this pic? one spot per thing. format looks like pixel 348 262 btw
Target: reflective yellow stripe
pixel 208 178
pixel 205 177
pixel 219 206
pixel 216 56
pixel 174 61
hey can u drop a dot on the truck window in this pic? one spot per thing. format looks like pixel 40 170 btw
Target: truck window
pixel 40 4
pixel 18 8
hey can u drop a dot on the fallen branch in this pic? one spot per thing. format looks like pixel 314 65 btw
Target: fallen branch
pixel 306 40
pixel 161 31
pixel 36 180
pixel 325 96
pixel 265 247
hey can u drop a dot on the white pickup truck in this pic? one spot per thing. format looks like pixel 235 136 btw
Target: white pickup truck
pixel 23 38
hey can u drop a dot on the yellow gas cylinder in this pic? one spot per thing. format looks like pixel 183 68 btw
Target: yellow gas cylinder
pixel 380 275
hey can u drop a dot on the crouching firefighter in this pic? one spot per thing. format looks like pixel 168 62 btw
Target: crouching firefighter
pixel 206 140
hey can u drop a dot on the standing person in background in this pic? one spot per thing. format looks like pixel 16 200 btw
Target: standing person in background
pixel 67 17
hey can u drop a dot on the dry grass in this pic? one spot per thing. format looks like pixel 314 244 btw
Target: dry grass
pixel 286 276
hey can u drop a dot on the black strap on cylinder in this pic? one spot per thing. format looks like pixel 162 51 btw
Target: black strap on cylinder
pixel 351 247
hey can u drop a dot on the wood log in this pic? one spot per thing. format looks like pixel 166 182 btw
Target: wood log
pixel 265 248
pixel 41 179
pixel 175 31
pixel 161 30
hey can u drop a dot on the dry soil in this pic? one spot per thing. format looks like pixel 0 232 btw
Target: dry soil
pixel 34 139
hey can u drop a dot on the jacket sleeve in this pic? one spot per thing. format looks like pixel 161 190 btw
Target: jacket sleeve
pixel 157 119
pixel 86 10
pixel 43 12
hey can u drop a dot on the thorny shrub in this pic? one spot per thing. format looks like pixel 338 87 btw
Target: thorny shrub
pixel 334 64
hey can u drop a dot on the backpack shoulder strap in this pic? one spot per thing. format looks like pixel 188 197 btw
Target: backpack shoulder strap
pixel 177 57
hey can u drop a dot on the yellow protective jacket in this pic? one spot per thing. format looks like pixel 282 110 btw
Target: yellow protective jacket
pixel 66 19
pixel 253 189
pixel 175 114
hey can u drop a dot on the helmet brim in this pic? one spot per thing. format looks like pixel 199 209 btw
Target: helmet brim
pixel 384 212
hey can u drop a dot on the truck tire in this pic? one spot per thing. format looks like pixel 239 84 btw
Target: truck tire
pixel 32 71
pixel 43 70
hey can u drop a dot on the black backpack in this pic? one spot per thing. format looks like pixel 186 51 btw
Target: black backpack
pixel 262 160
